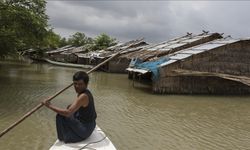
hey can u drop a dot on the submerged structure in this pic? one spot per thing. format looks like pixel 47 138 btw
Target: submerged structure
pixel 155 51
pixel 119 65
pixel 96 57
pixel 220 66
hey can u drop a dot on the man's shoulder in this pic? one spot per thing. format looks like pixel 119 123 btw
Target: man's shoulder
pixel 83 96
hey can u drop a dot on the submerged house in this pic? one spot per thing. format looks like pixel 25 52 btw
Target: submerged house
pixel 218 67
pixel 155 51
pixel 90 58
pixel 66 54
pixel 70 56
pixel 32 54
pixel 56 54
pixel 118 65
pixel 96 57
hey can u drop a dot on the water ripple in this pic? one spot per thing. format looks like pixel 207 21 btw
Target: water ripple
pixel 132 118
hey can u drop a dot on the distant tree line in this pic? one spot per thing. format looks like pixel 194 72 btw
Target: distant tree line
pixel 24 25
pixel 102 41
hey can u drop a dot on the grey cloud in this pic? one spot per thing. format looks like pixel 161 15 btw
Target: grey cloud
pixel 156 21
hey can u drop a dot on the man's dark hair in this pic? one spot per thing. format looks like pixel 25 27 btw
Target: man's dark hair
pixel 81 75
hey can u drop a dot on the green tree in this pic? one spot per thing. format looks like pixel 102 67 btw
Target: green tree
pixel 103 41
pixel 79 39
pixel 52 40
pixel 63 42
pixel 23 25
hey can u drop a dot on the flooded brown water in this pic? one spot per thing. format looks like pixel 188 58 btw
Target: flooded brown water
pixel 132 117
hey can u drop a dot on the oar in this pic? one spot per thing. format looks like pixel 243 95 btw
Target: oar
pixel 50 98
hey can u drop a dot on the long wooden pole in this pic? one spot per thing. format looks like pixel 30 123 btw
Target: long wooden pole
pixel 50 98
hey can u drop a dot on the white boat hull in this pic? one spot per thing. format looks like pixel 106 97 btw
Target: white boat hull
pixel 97 141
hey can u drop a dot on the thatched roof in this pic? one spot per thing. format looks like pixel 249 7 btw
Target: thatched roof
pixel 127 47
pixel 132 45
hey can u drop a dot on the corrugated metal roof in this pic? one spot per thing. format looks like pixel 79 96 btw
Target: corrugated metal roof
pixel 158 46
pixel 192 51
pixel 216 43
pixel 164 49
pixel 203 35
pixel 172 42
pixel 198 49
pixel 208 46
pixel 226 41
pixel 191 40
pixel 180 56
pixel 165 46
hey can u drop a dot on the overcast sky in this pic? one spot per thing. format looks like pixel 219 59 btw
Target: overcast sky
pixel 156 21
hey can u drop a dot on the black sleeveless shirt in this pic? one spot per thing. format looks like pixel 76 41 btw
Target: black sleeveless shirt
pixel 87 114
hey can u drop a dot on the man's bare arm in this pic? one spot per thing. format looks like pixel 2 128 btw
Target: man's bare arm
pixel 82 100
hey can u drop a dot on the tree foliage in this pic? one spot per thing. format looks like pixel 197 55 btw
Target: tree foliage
pixel 63 42
pixel 103 41
pixel 23 25
pixel 51 40
pixel 79 39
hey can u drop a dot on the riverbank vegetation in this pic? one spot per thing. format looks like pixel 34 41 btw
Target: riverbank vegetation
pixel 24 25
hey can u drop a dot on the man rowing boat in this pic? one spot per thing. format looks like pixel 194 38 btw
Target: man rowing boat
pixel 77 122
